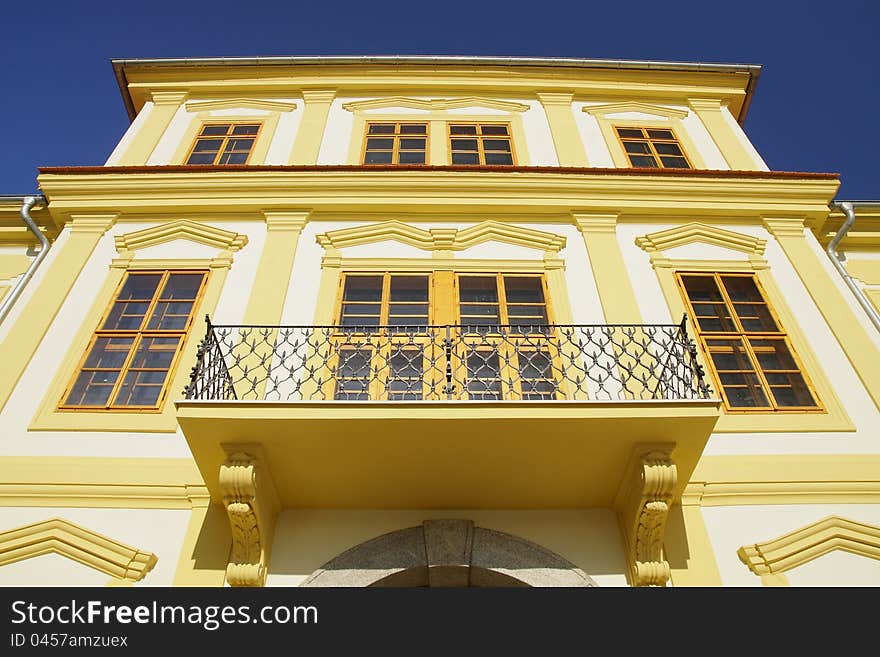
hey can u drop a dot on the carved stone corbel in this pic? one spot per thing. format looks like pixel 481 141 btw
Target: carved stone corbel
pixel 252 506
pixel 643 503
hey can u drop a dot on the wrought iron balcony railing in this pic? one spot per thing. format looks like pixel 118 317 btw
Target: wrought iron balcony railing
pixel 491 362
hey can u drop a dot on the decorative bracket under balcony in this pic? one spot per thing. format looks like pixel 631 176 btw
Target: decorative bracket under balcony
pixel 643 503
pixel 252 505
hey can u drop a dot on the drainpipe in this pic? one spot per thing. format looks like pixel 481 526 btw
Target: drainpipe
pixel 28 202
pixel 836 259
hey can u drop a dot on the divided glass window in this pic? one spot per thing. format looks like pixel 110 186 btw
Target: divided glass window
pixel 751 356
pixel 480 143
pixel 655 148
pixel 396 143
pixel 132 354
pixel 224 143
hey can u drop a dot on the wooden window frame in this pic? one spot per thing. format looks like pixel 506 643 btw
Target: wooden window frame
pixel 650 142
pixel 138 336
pixel 479 137
pixel 509 366
pixel 743 336
pixel 225 138
pixel 396 136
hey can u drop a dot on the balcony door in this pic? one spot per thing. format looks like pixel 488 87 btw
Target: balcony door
pixel 438 335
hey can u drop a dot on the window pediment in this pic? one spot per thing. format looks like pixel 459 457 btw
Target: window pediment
pixel 435 104
pixel 181 229
pixel 698 232
pixel 641 108
pixel 240 103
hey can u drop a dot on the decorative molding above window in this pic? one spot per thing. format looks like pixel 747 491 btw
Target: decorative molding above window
pixel 641 108
pixel 697 232
pixel 435 104
pixel 74 542
pixel 770 559
pixel 240 103
pixel 442 239
pixel 180 229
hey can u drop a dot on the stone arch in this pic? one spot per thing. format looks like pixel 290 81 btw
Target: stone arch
pixel 448 553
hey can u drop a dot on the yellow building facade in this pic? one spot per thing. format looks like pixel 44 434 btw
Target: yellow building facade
pixel 438 321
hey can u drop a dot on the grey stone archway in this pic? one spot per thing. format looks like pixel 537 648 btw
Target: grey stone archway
pixel 448 553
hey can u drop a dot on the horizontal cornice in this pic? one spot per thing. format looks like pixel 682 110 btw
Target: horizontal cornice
pixel 532 191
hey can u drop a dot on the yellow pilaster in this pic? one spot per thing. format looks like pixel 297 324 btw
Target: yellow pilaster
pixel 23 339
pixel 311 128
pixel 709 110
pixel 267 296
pixel 841 318
pixel 609 270
pixel 165 106
pixel 687 546
pixel 437 151
pixel 566 138
pixel 205 552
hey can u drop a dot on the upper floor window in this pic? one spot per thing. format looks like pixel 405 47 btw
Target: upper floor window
pixel 480 143
pixel 385 300
pixel 656 148
pixel 133 352
pixel 224 143
pixel 751 356
pixel 502 299
pixel 396 143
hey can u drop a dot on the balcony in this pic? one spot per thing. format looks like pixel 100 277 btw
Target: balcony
pixel 535 416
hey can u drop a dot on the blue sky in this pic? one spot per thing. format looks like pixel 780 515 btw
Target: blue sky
pixel 815 107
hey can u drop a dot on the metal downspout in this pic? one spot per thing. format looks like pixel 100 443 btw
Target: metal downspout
pixel 836 260
pixel 27 203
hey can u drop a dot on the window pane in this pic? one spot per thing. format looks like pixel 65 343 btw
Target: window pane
pixel 479 311
pixel 108 353
pixel 660 134
pixel 92 389
pixel 155 353
pixel 139 389
pixel 462 129
pixel 411 157
pixel 755 317
pixel 245 129
pixel 637 147
pixel 493 130
pixel 773 355
pixel 496 145
pixel 519 313
pixel 499 158
pixel 353 374
pixel 477 289
pixel 139 286
pixel 381 129
pixel 412 144
pixel 361 309
pixel 741 288
pixel 363 288
pixel 643 161
pixel 233 158
pixel 483 375
pixel 414 129
pixel 126 316
pixel 674 162
pixel 207 145
pixel 215 129
pixel 408 309
pixel 746 394
pixel 205 158
pixel 409 288
pixel 465 158
pixel 170 316
pixel 701 288
pixel 182 286
pixel 239 145
pixel 523 289
pixel 379 144
pixel 378 157
pixel 464 144
pixel 630 132
pixel 360 321
pixel 667 149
